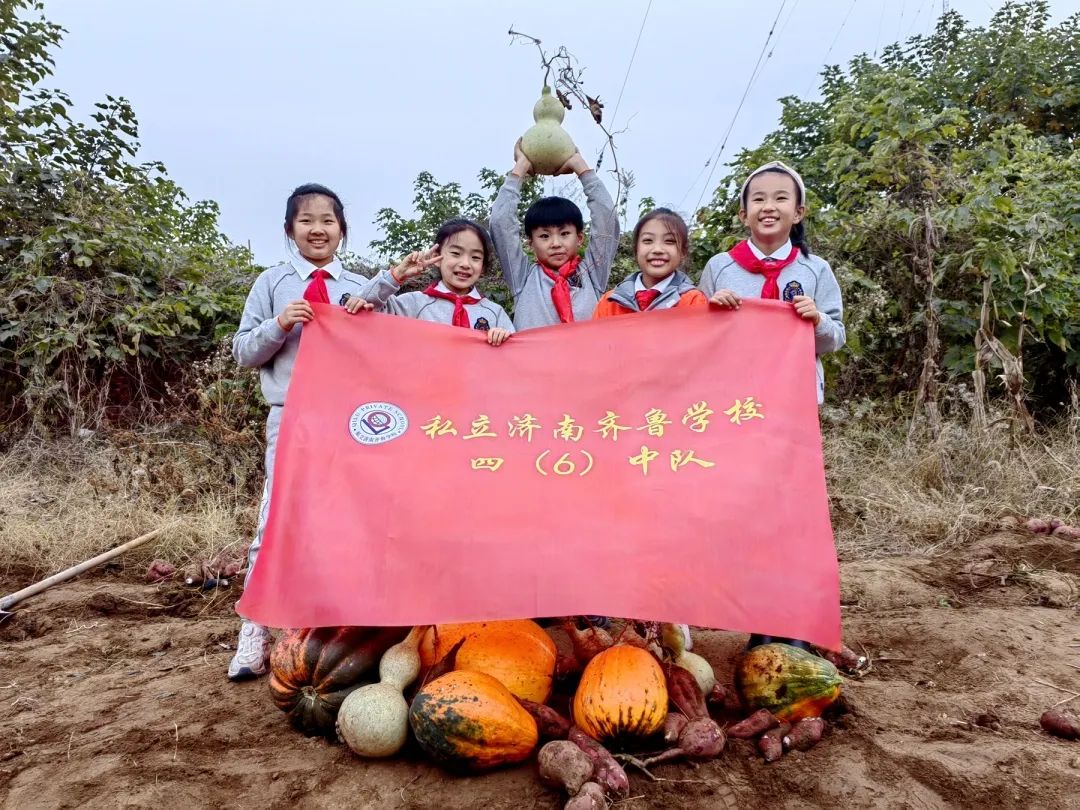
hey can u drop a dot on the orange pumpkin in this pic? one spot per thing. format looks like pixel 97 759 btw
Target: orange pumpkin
pixel 518 653
pixel 469 721
pixel 622 698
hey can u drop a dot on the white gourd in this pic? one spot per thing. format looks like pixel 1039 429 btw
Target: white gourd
pixel 700 668
pixel 692 662
pixel 374 720
pixel 546 144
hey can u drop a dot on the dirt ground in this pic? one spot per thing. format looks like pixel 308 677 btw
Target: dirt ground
pixel 113 694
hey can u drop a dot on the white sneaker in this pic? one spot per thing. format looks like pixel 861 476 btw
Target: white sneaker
pixel 252 657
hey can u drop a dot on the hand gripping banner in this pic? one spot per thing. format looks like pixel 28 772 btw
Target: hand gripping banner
pixel 665 466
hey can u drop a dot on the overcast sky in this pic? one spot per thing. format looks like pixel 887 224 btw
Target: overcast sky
pixel 243 101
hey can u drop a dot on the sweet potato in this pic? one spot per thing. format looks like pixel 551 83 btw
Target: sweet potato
pixel 717 695
pixel 566 666
pixel 591 797
pixel 684 692
pixel 160 571
pixel 702 740
pixel 1037 525
pixel 587 643
pixel 606 771
pixel 550 724
pixel 193 575
pixel 726 698
pixel 1067 532
pixel 847 660
pixel 805 734
pixel 771 743
pixel 1061 723
pixel 564 765
pixel 673 727
pixel 733 702
pixel 754 725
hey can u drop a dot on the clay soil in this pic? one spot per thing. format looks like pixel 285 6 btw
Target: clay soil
pixel 113 694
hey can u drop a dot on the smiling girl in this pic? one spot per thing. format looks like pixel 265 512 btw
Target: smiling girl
pixel 661 244
pixel 462 253
pixel 775 261
pixel 268 338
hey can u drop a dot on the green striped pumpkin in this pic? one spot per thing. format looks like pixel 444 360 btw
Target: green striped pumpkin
pixel 790 682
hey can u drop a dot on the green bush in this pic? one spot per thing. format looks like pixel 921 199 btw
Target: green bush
pixel 111 282
pixel 944 188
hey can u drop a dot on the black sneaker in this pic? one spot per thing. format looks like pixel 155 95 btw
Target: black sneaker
pixel 756 640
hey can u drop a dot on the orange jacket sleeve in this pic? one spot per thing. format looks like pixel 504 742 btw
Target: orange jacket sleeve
pixel 694 298
pixel 606 308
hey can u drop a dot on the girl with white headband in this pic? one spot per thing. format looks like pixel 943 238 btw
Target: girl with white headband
pixel 775 262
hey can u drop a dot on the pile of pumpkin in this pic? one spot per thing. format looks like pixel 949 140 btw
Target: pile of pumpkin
pixel 483 692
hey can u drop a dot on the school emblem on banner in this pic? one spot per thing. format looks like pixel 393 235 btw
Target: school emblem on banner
pixel 377 423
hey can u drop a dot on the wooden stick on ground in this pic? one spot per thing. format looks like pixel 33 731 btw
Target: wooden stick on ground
pixel 75 570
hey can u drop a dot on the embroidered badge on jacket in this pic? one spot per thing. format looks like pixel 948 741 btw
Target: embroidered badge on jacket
pixel 482 324
pixel 791 289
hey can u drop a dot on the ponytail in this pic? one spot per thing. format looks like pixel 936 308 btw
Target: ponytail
pixel 798 237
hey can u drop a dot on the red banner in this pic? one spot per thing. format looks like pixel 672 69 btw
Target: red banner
pixel 664 466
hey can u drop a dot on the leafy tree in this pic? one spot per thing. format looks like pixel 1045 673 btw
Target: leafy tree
pixel 111 282
pixel 944 189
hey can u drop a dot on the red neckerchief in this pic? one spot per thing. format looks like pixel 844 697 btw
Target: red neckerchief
pixel 645 298
pixel 560 293
pixel 461 317
pixel 316 291
pixel 745 258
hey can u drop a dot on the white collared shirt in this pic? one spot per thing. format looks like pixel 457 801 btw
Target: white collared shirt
pixel 304 268
pixel 779 254
pixel 659 286
pixel 441 287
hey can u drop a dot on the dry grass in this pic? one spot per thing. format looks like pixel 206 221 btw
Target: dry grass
pixel 65 502
pixel 892 497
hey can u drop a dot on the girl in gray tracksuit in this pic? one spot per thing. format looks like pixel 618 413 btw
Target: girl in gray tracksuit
pixel 268 339
pixel 462 253
pixel 776 263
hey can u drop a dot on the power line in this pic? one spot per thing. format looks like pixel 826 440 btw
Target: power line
pixel 783 28
pixel 722 143
pixel 919 11
pixel 627 76
pixel 881 22
pixel 832 45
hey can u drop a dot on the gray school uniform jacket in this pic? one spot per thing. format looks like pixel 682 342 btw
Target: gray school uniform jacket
pixel 484 315
pixel 261 343
pixel 807 275
pixel 529 285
